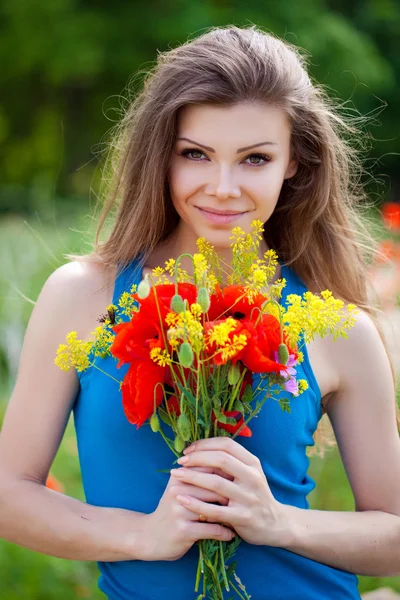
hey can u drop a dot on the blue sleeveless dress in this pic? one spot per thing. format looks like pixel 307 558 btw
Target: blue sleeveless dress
pixel 120 468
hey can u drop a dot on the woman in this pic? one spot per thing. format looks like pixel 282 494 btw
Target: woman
pixel 226 124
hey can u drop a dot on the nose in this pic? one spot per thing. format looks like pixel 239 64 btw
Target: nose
pixel 224 187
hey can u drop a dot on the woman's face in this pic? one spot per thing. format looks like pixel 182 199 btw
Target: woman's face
pixel 228 159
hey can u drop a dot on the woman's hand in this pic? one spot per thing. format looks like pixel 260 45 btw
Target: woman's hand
pixel 252 510
pixel 170 531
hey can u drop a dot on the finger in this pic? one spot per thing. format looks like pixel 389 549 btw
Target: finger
pixel 214 513
pixel 217 458
pixel 211 531
pixel 201 493
pixel 215 470
pixel 225 444
pixel 210 481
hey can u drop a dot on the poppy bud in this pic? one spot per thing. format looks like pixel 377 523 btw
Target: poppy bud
pixel 283 354
pixel 179 444
pixel 233 374
pixel 143 289
pixel 203 299
pixel 155 422
pixel 185 354
pixel 184 427
pixel 238 405
pixel 177 304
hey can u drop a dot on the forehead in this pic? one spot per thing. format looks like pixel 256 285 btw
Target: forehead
pixel 244 122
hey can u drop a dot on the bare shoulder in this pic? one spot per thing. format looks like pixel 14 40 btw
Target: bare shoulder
pixel 71 299
pixel 362 349
pixel 336 363
pixel 86 288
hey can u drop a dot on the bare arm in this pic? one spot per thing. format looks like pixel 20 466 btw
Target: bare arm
pixel 362 412
pixel 31 514
pixel 49 522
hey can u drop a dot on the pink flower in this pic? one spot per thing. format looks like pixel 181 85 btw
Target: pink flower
pixel 289 371
pixel 291 386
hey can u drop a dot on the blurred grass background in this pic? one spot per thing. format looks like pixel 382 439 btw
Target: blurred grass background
pixel 61 94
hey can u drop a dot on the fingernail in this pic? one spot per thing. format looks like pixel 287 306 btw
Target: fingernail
pixel 182 460
pixel 177 472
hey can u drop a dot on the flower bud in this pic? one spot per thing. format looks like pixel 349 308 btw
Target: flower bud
pixel 283 354
pixel 233 374
pixel 203 298
pixel 184 427
pixel 177 304
pixel 155 423
pixel 143 289
pixel 238 405
pixel 179 444
pixel 185 354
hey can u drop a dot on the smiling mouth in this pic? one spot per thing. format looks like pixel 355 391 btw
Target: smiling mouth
pixel 221 212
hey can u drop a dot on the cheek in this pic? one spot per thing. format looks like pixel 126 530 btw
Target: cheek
pixel 183 182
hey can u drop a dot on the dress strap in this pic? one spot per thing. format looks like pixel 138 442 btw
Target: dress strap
pixel 132 274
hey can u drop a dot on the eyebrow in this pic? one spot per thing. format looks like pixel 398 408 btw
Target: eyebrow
pixel 237 151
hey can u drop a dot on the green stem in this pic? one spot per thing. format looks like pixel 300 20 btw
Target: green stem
pixel 221 549
pixel 236 389
pixel 176 270
pixel 170 446
pixel 101 370
pixel 215 577
pixel 246 597
pixel 200 569
pixel 252 414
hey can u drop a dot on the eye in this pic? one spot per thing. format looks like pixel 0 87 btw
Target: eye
pixel 261 159
pixel 191 151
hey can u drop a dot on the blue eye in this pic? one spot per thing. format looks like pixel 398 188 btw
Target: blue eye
pixel 263 158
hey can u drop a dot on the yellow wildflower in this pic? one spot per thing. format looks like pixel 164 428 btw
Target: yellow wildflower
pixel 220 332
pixel 229 350
pixel 302 385
pixel 104 337
pixel 196 311
pixel 317 315
pixel 158 276
pixel 200 267
pixel 170 265
pixel 127 304
pixel 75 353
pixel 185 327
pixel 161 357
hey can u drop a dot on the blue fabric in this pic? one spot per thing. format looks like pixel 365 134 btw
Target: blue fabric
pixel 120 466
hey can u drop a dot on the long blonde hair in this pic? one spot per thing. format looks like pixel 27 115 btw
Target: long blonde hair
pixel 315 228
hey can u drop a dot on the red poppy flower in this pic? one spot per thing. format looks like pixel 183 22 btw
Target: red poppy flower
pixel 258 354
pixel 138 390
pixel 245 431
pixel 231 301
pixel 174 406
pixel 165 292
pixel 211 348
pixel 136 338
pixel 391 215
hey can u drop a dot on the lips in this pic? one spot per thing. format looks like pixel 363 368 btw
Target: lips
pixel 220 218
pixel 221 212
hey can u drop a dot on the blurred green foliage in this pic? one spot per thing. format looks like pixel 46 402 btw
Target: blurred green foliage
pixel 65 65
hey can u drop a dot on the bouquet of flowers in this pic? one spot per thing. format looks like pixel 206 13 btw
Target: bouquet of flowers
pixel 193 346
